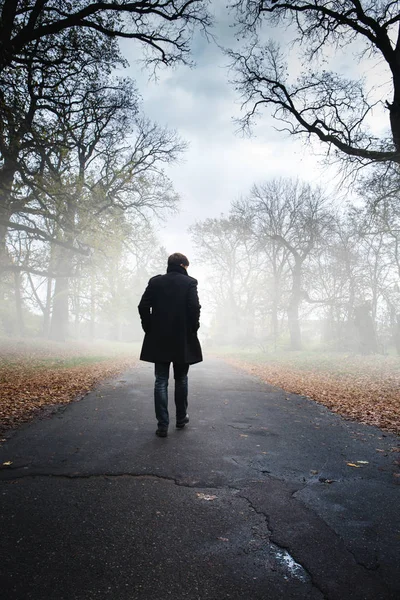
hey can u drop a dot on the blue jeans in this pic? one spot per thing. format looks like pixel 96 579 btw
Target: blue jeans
pixel 161 392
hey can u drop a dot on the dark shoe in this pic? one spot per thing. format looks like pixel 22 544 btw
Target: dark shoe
pixel 162 432
pixel 181 424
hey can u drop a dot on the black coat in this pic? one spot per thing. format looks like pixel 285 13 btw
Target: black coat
pixel 170 312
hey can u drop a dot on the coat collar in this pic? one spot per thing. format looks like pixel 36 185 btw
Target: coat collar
pixel 176 269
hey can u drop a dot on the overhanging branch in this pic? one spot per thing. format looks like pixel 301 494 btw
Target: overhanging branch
pixel 39 234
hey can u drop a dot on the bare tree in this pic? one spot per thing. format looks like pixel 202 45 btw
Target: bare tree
pixel 321 103
pixel 293 217
pixel 44 45
pixel 227 247
pixel 107 156
pixel 334 277
pixel 163 27
pixel 379 229
pixel 34 99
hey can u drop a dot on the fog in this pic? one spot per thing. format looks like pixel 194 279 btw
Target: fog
pixel 294 248
pixel 283 269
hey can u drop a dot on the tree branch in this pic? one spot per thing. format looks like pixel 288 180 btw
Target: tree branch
pixel 39 234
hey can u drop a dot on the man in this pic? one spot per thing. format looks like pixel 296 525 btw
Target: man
pixel 170 313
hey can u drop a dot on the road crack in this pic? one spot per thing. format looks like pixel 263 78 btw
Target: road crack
pixel 284 548
pixel 195 484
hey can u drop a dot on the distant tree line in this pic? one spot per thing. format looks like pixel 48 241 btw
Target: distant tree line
pixel 288 266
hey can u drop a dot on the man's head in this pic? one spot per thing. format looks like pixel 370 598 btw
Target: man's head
pixel 178 259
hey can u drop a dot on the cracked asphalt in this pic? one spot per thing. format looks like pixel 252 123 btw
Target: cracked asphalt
pixel 254 499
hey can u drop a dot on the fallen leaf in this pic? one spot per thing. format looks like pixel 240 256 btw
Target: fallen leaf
pixel 353 465
pixel 207 497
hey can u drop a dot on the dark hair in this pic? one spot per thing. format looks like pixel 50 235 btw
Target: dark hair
pixel 178 259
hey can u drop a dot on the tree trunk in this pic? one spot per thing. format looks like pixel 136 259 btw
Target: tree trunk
pixel 92 327
pixel 18 304
pixel 7 175
pixel 274 311
pixel 275 323
pixel 4 258
pixel 49 291
pixel 394 107
pixel 77 305
pixel 293 309
pixel 59 317
pixel 77 319
pixel 366 331
pixel 3 236
pixel 47 308
pixel 395 319
pixel 329 329
pixel 60 313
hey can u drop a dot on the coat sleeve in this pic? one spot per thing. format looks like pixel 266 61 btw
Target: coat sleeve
pixel 193 306
pixel 145 306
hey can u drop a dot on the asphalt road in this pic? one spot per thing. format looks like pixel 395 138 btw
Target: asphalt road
pixel 254 499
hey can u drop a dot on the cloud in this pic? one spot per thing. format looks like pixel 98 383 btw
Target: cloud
pixel 220 165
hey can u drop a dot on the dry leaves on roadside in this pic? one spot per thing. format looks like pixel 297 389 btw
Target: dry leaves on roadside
pixel 365 396
pixel 32 379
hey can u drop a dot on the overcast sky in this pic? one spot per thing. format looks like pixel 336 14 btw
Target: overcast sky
pixel 220 164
